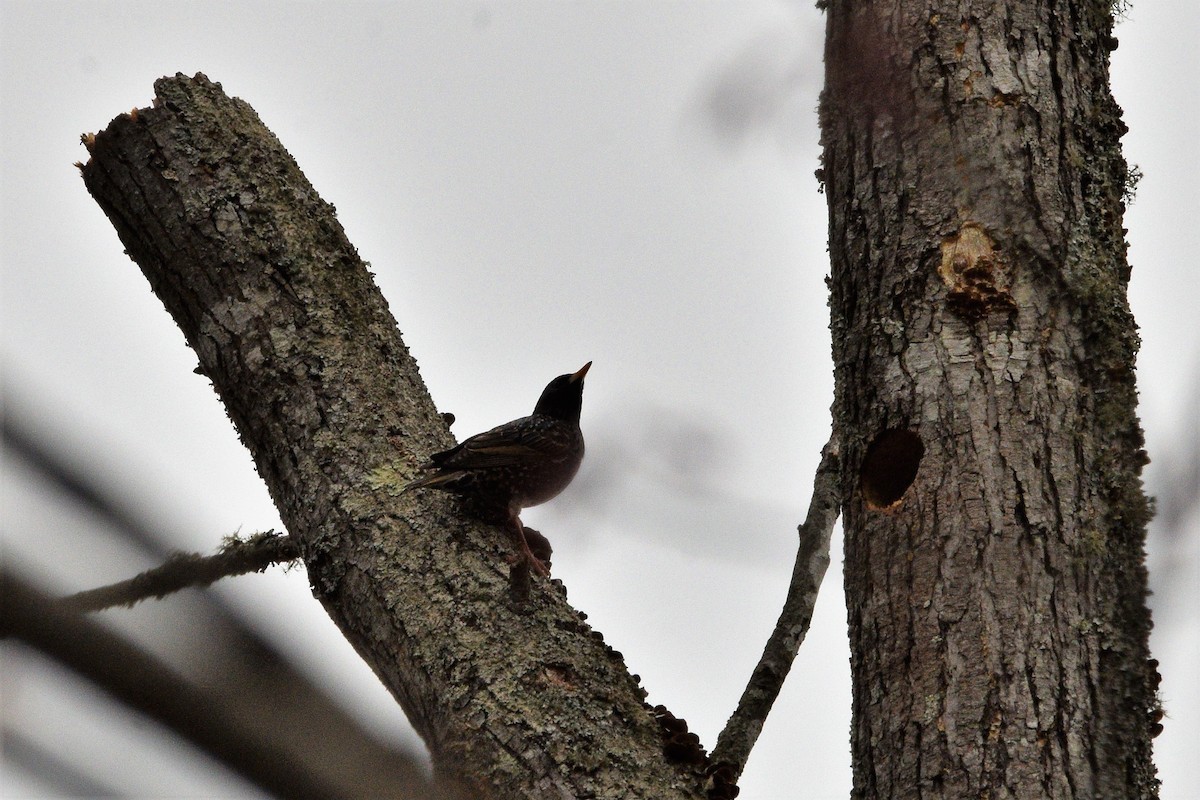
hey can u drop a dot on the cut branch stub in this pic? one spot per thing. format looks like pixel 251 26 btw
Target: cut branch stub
pixel 296 338
pixel 976 275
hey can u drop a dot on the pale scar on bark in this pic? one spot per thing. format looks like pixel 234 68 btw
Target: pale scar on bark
pixel 978 276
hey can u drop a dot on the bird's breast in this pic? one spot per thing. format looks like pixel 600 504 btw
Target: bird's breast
pixel 545 481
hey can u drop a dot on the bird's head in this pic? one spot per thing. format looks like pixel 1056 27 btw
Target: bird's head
pixel 563 397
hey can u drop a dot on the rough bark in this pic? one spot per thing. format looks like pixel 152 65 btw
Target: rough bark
pixel 984 355
pixel 516 700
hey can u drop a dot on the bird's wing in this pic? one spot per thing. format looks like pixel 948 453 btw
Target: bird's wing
pixel 516 442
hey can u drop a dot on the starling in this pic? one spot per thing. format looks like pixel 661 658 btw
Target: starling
pixel 518 464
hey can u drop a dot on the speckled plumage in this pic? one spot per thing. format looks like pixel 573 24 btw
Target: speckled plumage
pixel 518 464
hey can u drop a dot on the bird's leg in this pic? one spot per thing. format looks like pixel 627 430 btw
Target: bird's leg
pixel 535 564
pixel 539 545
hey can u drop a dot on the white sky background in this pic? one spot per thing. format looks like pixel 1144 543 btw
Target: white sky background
pixel 537 185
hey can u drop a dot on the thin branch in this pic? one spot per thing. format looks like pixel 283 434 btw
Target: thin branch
pixel 742 730
pixel 184 570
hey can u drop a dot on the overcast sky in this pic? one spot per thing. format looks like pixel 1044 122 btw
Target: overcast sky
pixel 536 185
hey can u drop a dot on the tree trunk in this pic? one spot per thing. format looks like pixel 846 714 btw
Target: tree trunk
pixel 513 699
pixel 984 356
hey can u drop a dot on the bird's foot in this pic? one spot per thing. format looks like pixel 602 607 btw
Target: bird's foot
pixel 534 548
pixel 529 561
pixel 538 545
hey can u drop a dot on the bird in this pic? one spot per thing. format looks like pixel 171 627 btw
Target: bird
pixel 516 465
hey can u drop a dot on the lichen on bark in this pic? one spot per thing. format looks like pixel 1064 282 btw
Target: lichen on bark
pixel 287 323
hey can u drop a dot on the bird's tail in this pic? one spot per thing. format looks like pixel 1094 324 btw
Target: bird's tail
pixel 436 479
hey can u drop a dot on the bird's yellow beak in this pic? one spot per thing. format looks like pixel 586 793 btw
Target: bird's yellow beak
pixel 576 377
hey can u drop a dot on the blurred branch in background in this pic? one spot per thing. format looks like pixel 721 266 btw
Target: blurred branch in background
pixel 146 684
pixel 1177 489
pixel 249 680
pixel 66 778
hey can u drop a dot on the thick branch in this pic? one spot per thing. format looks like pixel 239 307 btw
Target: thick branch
pixel 297 340
pixel 812 559
pixel 187 570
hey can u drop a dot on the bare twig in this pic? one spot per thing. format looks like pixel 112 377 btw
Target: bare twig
pixel 812 559
pixel 183 570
